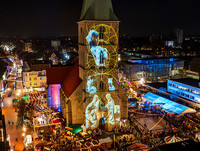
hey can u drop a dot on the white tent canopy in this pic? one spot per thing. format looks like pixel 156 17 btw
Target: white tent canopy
pixel 168 105
pixel 105 140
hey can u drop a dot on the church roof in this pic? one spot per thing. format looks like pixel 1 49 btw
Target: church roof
pixel 67 76
pixel 72 80
pixel 56 75
pixel 98 10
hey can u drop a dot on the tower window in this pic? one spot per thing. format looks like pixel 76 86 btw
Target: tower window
pixel 101 85
pixel 101 32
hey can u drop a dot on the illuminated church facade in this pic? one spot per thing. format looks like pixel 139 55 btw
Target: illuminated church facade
pixel 90 94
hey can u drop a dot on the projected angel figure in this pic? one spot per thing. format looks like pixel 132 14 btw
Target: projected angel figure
pixel 111 86
pixel 99 53
pixel 89 87
pixel 110 109
pixel 91 113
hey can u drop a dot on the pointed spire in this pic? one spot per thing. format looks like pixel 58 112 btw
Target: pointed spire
pixel 98 10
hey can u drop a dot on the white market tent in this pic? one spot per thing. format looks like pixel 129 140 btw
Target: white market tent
pixel 105 140
pixel 168 105
pixel 172 139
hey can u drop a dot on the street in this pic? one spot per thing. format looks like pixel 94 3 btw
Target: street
pixel 11 115
pixel 9 111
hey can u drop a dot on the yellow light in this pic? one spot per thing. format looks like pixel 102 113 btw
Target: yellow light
pixel 23 134
pixel 24 129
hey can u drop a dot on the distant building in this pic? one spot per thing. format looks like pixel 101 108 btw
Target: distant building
pixel 179 36
pixel 35 78
pixel 28 47
pixel 186 88
pixel 55 58
pixel 153 37
pixel 169 43
pixel 192 74
pixel 55 44
pixel 152 69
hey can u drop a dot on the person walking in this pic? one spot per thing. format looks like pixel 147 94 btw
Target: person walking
pixel 14 145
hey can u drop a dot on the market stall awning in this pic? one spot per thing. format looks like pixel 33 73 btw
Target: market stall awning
pixel 105 140
pixel 76 128
pixel 172 139
pixel 15 100
pixel 25 98
pixel 136 146
pixel 168 105
pixel 57 121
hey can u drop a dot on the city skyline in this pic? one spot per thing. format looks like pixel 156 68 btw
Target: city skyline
pixel 138 18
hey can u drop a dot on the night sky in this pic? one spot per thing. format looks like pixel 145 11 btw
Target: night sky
pixel 59 17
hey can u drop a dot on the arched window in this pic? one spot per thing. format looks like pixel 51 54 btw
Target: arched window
pixel 101 85
pixel 101 32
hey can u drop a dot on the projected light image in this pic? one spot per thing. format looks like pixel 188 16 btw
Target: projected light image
pixel 101 62
pixel 117 113
pixel 91 113
pixel 53 96
pixel 102 52
pixel 110 84
pixel 110 109
pixel 110 114
pixel 102 57
pixel 90 88
pixel 99 53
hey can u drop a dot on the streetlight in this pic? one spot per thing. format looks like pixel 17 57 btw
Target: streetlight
pixel 24 129
pixel 142 81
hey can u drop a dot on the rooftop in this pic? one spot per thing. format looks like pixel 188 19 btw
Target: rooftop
pixel 168 105
pixel 72 80
pixel 39 67
pixel 67 76
pixel 188 81
pixel 157 85
pixel 56 75
pixel 98 10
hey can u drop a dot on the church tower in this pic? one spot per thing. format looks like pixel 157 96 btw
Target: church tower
pixel 105 104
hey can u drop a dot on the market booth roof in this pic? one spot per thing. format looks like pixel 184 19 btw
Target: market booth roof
pixel 168 105
pixel 15 100
pixel 25 98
